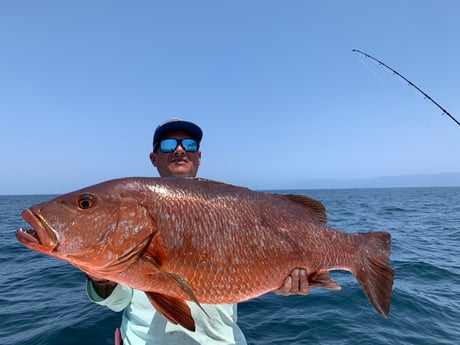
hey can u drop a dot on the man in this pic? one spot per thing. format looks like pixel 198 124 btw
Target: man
pixel 176 153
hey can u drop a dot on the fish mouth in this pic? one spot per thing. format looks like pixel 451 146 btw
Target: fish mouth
pixel 40 237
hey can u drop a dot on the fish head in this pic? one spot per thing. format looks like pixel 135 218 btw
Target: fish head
pixel 101 229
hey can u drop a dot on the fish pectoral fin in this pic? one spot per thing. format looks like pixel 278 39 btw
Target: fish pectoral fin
pixel 322 280
pixel 173 309
pixel 183 285
pixel 180 281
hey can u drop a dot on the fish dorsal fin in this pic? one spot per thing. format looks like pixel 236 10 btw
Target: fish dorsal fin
pixel 313 205
pixel 173 309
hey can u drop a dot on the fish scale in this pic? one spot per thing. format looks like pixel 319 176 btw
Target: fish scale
pixel 193 239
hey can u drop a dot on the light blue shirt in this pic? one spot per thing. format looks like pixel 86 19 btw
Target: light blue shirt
pixel 142 325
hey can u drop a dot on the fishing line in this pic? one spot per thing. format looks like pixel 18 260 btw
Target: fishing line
pixel 370 70
pixel 444 111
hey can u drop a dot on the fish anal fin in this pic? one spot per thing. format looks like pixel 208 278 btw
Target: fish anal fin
pixel 322 280
pixel 173 309
pixel 316 207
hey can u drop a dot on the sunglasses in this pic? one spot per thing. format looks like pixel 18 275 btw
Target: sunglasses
pixel 170 145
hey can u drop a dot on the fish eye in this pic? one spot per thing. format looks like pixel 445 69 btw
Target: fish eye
pixel 85 201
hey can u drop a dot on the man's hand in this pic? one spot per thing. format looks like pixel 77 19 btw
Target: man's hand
pixel 103 287
pixel 295 284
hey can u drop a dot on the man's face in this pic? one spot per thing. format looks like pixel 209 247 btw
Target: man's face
pixel 176 163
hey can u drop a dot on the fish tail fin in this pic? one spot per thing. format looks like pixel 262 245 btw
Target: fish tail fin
pixel 375 274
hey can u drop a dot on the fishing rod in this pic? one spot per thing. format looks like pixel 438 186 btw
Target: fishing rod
pixel 444 111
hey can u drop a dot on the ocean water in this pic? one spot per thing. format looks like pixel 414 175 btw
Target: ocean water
pixel 43 301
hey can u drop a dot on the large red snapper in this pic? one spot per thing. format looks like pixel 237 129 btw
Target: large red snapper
pixel 192 239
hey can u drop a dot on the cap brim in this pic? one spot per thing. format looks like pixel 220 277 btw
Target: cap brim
pixel 178 125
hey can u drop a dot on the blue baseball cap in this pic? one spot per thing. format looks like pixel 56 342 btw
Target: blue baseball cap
pixel 176 124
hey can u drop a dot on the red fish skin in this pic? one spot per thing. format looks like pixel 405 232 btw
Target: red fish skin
pixel 243 245
pixel 226 243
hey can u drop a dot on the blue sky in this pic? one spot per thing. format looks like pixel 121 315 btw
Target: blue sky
pixel 275 86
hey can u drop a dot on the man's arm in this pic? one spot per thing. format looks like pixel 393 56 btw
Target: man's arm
pixel 107 293
pixel 294 284
pixel 102 287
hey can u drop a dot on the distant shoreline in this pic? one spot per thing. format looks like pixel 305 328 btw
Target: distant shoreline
pixel 404 181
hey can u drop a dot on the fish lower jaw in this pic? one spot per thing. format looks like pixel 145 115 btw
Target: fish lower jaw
pixel 31 239
pixel 28 236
